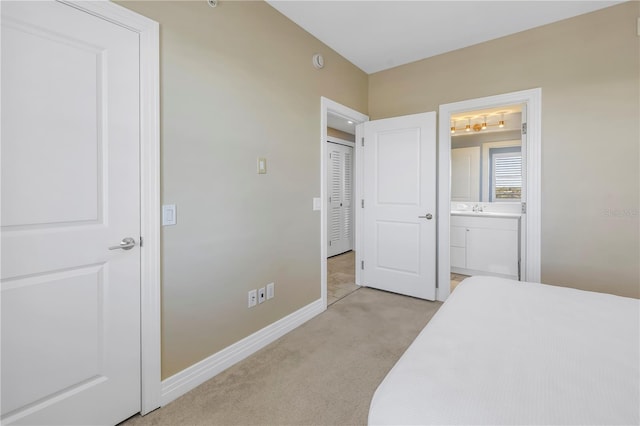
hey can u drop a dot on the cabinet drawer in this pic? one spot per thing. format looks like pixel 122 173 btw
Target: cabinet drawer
pixel 458 237
pixel 458 257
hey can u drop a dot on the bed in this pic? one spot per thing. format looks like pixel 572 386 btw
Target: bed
pixel 506 352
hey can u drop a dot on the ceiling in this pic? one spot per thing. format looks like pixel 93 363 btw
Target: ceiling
pixel 377 35
pixel 341 123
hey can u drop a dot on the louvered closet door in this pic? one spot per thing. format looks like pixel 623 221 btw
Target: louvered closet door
pixel 340 189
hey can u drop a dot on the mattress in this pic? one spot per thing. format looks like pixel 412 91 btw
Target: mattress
pixel 506 352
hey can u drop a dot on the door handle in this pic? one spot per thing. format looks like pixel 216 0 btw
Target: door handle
pixel 427 216
pixel 126 244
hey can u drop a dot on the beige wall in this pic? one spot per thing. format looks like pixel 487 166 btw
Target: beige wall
pixel 340 134
pixel 237 83
pixel 588 69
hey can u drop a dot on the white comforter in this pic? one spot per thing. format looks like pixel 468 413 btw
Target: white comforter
pixel 505 352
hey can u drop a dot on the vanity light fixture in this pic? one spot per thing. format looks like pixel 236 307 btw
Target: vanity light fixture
pixel 479 126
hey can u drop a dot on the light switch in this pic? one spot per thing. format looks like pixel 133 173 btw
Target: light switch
pixel 262 165
pixel 169 214
pixel 316 204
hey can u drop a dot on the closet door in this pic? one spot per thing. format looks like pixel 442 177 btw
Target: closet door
pixel 340 191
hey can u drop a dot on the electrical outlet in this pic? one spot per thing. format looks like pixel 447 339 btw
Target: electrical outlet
pixel 270 290
pixel 261 295
pixel 253 298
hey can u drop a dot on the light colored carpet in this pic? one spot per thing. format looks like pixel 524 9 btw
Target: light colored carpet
pixel 341 276
pixel 322 373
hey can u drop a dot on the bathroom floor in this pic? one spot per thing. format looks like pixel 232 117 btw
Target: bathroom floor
pixel 341 276
pixel 456 279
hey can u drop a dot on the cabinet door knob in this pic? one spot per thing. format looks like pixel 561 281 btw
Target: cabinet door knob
pixel 428 216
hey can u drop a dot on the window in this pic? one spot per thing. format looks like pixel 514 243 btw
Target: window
pixel 506 174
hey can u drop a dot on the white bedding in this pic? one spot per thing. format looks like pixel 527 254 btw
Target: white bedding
pixel 506 352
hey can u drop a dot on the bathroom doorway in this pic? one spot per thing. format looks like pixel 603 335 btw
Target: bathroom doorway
pixel 463 235
pixel 487 175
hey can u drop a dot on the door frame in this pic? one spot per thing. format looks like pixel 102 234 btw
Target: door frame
pixel 326 106
pixel 533 99
pixel 148 31
pixel 338 141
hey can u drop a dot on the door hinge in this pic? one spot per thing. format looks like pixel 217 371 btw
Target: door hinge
pixel 362 141
pixel 362 203
pixel 329 155
pixel 524 208
pixel 329 199
pixel 524 128
pixel 329 243
pixel 140 240
pixel 362 264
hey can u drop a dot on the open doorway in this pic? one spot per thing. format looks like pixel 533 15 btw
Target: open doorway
pixel 487 175
pixel 339 156
pixel 453 238
pixel 339 218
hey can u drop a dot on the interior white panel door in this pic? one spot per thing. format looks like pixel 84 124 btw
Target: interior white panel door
pixel 70 190
pixel 340 189
pixel 465 174
pixel 400 205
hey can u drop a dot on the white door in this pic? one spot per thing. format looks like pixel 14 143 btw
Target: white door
pixel 340 188
pixel 400 205
pixel 70 190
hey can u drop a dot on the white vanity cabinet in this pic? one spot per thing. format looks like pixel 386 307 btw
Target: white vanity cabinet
pixel 485 245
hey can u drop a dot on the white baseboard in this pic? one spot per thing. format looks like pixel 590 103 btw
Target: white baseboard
pixel 191 377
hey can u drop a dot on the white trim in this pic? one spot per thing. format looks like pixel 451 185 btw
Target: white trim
pixel 148 31
pixel 193 376
pixel 326 106
pixel 358 217
pixel 533 99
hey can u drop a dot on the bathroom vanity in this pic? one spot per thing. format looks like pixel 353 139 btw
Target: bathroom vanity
pixel 485 243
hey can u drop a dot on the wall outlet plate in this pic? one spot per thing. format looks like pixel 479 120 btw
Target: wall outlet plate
pixel 261 295
pixel 169 215
pixel 252 298
pixel 262 166
pixel 270 290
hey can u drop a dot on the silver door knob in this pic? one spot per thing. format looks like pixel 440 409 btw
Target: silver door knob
pixel 427 216
pixel 126 244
